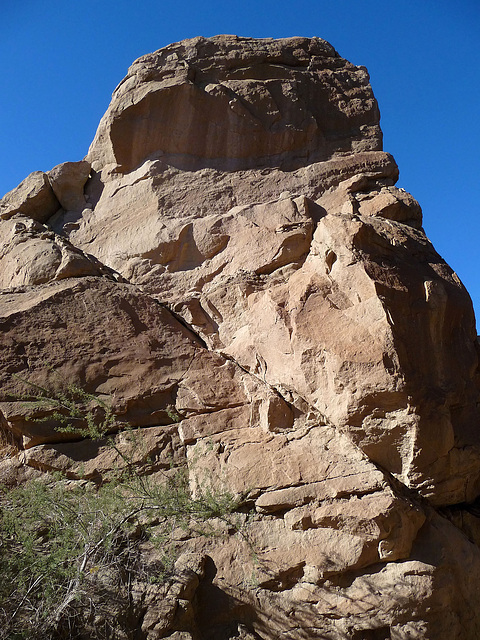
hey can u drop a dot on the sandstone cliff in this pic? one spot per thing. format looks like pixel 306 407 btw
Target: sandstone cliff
pixel 234 246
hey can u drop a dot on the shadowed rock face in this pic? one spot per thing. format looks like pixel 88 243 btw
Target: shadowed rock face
pixel 240 254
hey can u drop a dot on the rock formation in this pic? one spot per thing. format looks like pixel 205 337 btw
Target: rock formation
pixel 234 246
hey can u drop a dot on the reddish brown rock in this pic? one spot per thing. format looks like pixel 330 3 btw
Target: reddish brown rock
pixel 117 343
pixel 285 306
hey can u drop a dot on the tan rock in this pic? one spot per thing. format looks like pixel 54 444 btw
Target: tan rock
pixel 148 449
pixel 336 536
pixel 163 605
pixel 363 194
pixel 328 326
pixel 317 359
pixel 155 203
pixel 252 459
pixel 287 272
pixel 238 102
pixel 34 198
pixel 325 496
pixel 68 180
pixel 31 254
pixel 429 595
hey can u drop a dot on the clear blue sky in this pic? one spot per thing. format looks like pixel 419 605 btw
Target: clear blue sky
pixel 62 59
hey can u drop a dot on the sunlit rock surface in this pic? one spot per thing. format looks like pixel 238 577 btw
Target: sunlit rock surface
pixel 240 258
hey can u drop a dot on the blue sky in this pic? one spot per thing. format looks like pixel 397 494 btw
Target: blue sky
pixel 62 59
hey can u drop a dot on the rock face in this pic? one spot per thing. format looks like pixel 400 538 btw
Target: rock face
pixel 237 102
pixel 233 248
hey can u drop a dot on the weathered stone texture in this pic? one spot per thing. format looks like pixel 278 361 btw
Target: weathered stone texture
pixel 236 102
pixel 68 180
pixel 34 197
pixel 240 256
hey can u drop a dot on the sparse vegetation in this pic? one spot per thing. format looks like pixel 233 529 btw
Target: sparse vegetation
pixel 65 545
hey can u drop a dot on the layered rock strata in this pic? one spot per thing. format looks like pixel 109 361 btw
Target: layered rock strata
pixel 234 249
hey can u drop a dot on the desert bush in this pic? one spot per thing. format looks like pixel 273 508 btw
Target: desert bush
pixel 62 543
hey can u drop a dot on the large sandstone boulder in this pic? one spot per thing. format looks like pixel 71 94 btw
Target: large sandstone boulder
pixel 236 102
pixel 242 281
pixel 318 278
pixel 41 195
pixel 68 180
pixel 118 343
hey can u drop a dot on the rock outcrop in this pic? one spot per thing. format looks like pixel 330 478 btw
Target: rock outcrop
pixel 237 102
pixel 234 250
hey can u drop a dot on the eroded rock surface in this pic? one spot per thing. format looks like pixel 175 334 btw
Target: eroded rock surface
pixel 236 102
pixel 234 269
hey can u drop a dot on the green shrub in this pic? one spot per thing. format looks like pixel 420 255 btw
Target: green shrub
pixel 62 543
